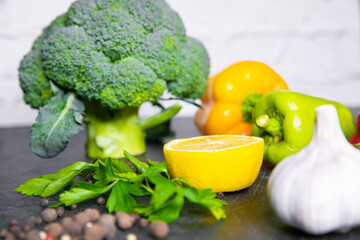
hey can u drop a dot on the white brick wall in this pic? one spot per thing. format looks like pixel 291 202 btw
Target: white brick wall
pixel 313 44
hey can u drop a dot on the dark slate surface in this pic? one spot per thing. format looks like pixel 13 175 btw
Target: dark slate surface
pixel 249 215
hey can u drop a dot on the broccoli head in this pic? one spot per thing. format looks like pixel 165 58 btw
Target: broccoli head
pixel 110 55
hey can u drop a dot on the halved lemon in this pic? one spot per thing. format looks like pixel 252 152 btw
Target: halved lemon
pixel 224 163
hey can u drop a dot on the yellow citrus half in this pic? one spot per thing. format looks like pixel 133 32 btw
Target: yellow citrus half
pixel 224 163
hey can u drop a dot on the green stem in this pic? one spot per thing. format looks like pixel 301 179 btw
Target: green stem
pixel 248 105
pixel 271 125
pixel 159 118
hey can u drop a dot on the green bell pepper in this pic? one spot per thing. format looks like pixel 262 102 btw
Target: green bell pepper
pixel 286 120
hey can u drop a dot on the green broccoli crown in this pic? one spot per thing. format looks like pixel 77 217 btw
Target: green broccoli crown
pixel 117 52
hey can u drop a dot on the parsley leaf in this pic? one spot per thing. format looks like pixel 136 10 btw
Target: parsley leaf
pixel 83 191
pixel 51 184
pixel 121 198
pixel 125 187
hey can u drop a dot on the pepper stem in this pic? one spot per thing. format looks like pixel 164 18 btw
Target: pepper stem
pixel 262 121
pixel 271 125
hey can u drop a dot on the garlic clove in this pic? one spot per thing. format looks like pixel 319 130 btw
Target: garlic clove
pixel 316 190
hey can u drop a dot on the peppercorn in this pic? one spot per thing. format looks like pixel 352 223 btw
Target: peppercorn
pixel 100 200
pixel 71 227
pixel 54 229
pixel 131 236
pixel 124 221
pixel 143 222
pixel 134 217
pixel 159 229
pixel 96 232
pixel 107 219
pixel 14 229
pixel 49 215
pixel 74 206
pixel 82 218
pixel 220 195
pixel 6 235
pixel 60 211
pixel 34 234
pixel 35 220
pixel 65 237
pixel 43 235
pixel 93 214
pixel 13 222
pixel 44 202
pixel 90 178
pixel 27 226
pixel 107 222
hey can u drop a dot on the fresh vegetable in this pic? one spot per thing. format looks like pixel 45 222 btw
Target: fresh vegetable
pixel 231 95
pixel 286 121
pixel 316 189
pixel 355 138
pixel 102 59
pixel 125 186
pixel 224 163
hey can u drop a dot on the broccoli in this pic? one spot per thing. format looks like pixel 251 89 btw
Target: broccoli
pixel 93 67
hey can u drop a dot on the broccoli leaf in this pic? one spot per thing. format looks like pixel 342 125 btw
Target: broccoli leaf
pixel 51 184
pixel 57 121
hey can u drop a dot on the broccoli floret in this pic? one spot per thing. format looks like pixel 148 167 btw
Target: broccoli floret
pixel 114 55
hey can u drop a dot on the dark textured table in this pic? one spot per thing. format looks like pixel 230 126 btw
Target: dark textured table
pixel 249 215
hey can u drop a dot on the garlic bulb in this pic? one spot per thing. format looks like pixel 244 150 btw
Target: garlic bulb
pixel 317 189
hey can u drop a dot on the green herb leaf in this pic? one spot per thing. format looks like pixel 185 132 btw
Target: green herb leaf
pixel 121 198
pixel 207 199
pixel 51 184
pixel 105 173
pixel 122 167
pixel 56 123
pixel 169 211
pixel 83 191
pixel 139 165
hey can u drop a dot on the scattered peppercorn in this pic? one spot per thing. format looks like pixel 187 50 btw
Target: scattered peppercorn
pixel 134 217
pixel 131 236
pixel 220 195
pixel 82 218
pixel 15 230
pixel 42 235
pixel 49 215
pixel 28 225
pixel 74 206
pixel 107 222
pixel 6 235
pixel 13 222
pixel 54 229
pixel 100 200
pixel 44 202
pixel 65 237
pixel 71 227
pixel 143 222
pixel 159 229
pixel 34 234
pixel 60 211
pixel 124 221
pixel 90 178
pixel 96 232
pixel 93 214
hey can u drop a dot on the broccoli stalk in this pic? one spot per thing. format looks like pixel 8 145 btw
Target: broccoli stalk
pixel 109 133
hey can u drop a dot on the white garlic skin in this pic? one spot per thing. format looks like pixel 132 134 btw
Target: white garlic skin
pixel 317 189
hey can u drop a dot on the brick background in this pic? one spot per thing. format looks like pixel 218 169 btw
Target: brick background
pixel 313 44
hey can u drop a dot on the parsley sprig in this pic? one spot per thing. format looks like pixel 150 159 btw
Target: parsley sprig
pixel 126 186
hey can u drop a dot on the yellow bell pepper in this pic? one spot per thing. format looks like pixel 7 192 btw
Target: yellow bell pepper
pixel 233 91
